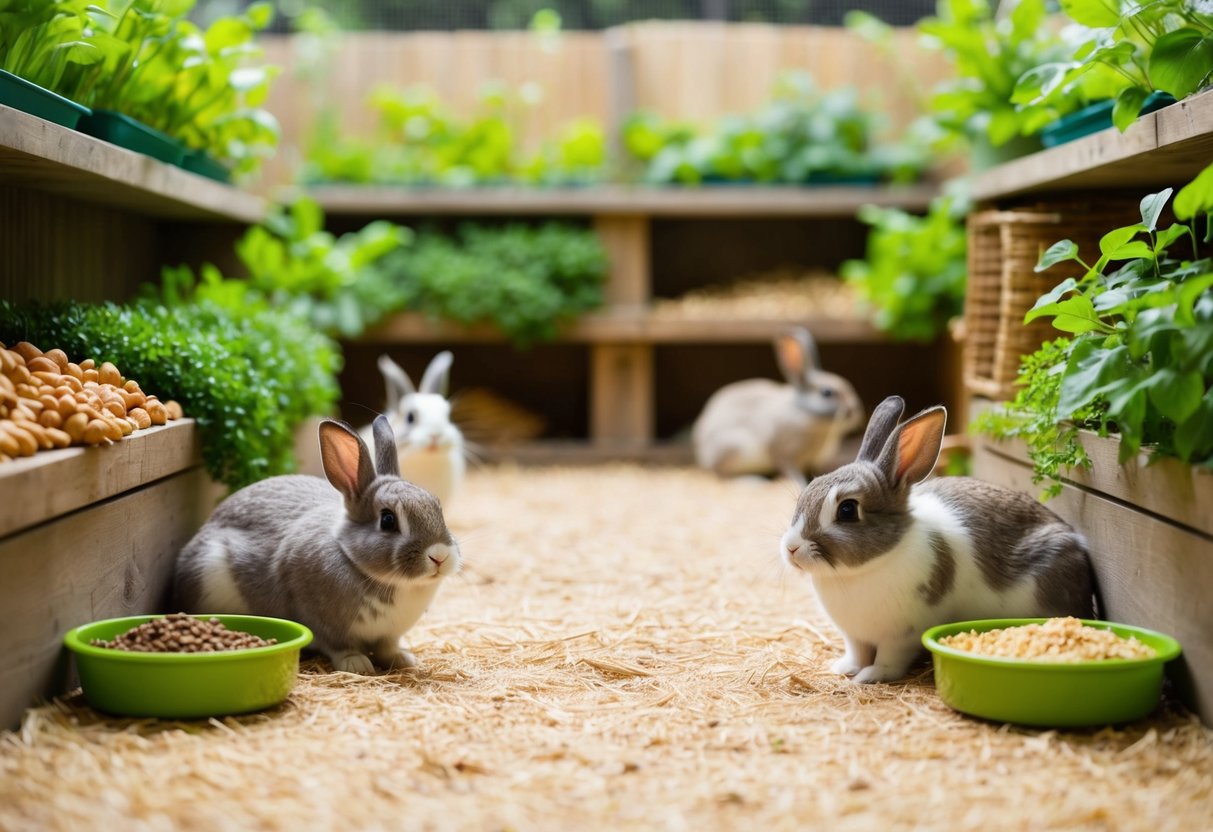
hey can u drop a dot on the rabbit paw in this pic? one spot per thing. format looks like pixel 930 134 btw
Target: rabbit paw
pixel 401 660
pixel 353 663
pixel 845 666
pixel 880 673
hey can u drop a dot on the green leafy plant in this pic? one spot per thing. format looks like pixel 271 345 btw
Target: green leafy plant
pixel 338 284
pixel 1130 51
pixel 1140 361
pixel 40 40
pixel 248 379
pixel 913 275
pixel 989 55
pixel 800 135
pixel 526 280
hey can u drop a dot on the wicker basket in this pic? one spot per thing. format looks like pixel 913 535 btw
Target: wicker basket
pixel 1004 247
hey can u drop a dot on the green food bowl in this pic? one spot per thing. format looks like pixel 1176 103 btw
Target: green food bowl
pixel 1049 693
pixel 188 685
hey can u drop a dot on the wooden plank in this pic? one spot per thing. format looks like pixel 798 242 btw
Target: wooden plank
pixel 114 558
pixel 38 154
pixel 1166 147
pixel 1150 573
pixel 621 395
pixel 673 201
pixel 52 483
pixel 629 325
pixel 626 240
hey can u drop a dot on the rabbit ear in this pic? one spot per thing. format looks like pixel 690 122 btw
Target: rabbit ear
pixel 911 452
pixel 437 374
pixel 397 380
pixel 796 352
pixel 387 462
pixel 346 460
pixel 880 427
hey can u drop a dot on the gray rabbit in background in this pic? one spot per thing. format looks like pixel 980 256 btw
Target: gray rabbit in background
pixel 759 426
pixel 891 556
pixel 357 559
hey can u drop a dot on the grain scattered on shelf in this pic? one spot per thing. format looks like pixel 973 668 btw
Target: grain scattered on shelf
pixel 779 294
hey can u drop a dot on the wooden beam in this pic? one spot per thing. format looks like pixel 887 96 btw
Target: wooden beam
pixel 621 395
pixel 626 240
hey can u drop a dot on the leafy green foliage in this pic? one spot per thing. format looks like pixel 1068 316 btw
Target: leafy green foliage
pixel 1141 359
pixel 914 272
pixel 338 284
pixel 989 54
pixel 800 135
pixel 1131 50
pixel 144 59
pixel 527 280
pixel 420 143
pixel 248 379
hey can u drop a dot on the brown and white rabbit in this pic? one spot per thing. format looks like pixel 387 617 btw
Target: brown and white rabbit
pixel 430 447
pixel 759 426
pixel 357 559
pixel 891 556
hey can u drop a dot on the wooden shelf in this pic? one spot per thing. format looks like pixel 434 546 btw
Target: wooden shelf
pixel 1166 147
pixel 628 327
pixel 42 156
pixel 53 483
pixel 673 201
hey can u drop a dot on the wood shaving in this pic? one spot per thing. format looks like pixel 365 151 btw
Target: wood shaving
pixel 1056 640
pixel 778 295
pixel 623 651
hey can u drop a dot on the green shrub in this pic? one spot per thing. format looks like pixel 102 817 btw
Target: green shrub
pixel 248 379
pixel 914 273
pixel 527 280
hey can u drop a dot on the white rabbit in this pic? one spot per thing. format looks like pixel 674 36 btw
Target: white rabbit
pixel 759 426
pixel 890 559
pixel 357 559
pixel 430 446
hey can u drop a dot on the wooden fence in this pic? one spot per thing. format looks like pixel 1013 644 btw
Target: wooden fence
pixel 696 71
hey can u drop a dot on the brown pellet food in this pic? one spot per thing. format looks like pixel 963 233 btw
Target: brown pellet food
pixel 1056 640
pixel 183 633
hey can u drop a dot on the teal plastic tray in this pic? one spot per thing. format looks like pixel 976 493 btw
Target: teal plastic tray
pixel 125 131
pixel 201 163
pixel 20 94
pixel 1094 118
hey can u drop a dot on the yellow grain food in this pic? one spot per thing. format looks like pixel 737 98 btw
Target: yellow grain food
pixel 1056 640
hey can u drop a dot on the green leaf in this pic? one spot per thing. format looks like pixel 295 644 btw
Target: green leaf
pixel 1132 251
pixel 1189 292
pixel 1128 106
pixel 1077 315
pixel 1094 13
pixel 1046 304
pixel 1196 197
pixel 1181 61
pixel 1152 206
pixel 1116 238
pixel 1059 252
pixel 1195 434
pixel 1176 394
pixel 1168 236
pixel 1087 374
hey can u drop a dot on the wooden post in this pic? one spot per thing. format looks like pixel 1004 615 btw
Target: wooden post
pixel 621 395
pixel 626 238
pixel 621 86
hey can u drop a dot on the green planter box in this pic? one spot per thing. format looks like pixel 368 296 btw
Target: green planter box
pixel 1094 118
pixel 125 131
pixel 20 94
pixel 201 163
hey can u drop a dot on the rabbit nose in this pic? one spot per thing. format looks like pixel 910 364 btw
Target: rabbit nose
pixel 438 561
pixel 792 549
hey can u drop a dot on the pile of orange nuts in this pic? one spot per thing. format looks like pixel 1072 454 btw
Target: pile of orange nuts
pixel 49 402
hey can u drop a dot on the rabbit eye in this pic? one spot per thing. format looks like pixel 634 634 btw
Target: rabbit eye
pixel 827 393
pixel 410 417
pixel 848 511
pixel 387 521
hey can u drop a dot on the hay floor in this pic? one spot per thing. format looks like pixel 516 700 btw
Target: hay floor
pixel 624 651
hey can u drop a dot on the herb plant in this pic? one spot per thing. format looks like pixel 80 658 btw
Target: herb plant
pixel 526 280
pixel 1140 361
pixel 1131 50
pixel 248 379
pixel 914 274
pixel 800 135
pixel 40 41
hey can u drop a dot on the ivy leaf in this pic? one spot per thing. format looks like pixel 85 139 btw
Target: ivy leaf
pixel 1189 292
pixel 1088 374
pixel 1059 252
pixel 1176 394
pixel 1077 315
pixel 1046 304
pixel 1196 197
pixel 1132 250
pixel 1117 237
pixel 1181 61
pixel 1168 236
pixel 1194 435
pixel 1151 208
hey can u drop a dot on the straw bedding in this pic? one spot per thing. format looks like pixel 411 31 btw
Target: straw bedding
pixel 624 651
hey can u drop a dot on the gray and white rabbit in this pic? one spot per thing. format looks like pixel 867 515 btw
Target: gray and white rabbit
pixel 357 559
pixel 430 447
pixel 891 556
pixel 759 426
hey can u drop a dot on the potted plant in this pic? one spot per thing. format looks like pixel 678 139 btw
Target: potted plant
pixel 1133 58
